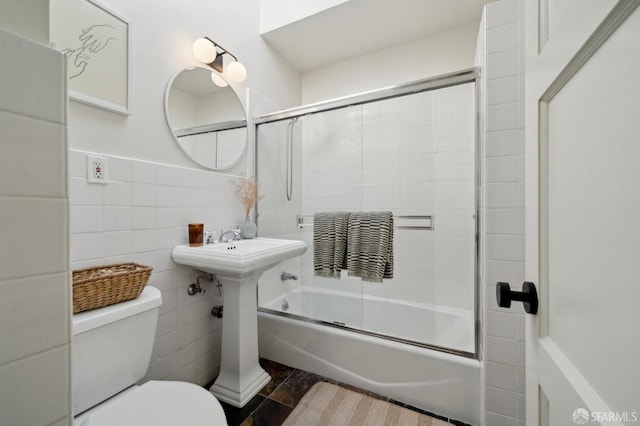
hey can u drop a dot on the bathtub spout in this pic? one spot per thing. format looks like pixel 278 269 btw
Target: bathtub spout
pixel 287 276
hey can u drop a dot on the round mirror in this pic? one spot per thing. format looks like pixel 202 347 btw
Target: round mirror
pixel 207 121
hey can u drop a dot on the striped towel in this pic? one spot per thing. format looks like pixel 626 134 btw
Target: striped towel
pixel 329 243
pixel 370 246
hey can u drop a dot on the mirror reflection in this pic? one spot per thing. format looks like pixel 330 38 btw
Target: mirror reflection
pixel 207 121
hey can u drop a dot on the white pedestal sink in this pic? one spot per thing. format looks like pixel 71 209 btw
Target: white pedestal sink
pixel 238 265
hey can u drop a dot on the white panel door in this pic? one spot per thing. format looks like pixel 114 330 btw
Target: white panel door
pixel 583 211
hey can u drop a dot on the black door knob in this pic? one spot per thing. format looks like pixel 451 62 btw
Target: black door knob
pixel 528 296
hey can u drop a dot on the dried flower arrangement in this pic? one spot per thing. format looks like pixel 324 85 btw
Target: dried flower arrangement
pixel 247 192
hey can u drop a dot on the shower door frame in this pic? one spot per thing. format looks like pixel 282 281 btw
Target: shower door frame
pixel 470 75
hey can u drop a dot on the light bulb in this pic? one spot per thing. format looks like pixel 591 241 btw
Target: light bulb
pixel 204 50
pixel 236 72
pixel 217 80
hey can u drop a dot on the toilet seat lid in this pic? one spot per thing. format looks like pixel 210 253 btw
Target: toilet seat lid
pixel 161 403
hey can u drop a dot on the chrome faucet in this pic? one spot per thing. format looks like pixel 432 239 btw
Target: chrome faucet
pixel 230 235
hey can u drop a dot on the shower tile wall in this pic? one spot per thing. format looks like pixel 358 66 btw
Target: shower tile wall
pixel 277 215
pixel 413 155
pixel 503 210
pixel 139 216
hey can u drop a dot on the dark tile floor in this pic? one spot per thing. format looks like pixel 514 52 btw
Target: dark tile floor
pixel 278 398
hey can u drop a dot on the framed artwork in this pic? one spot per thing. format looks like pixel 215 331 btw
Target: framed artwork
pixel 97 43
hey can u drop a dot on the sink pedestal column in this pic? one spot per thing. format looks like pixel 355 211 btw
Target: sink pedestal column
pixel 241 376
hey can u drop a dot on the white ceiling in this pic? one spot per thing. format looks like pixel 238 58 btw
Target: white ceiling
pixel 358 27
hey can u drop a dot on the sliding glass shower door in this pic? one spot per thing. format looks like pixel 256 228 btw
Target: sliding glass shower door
pixel 413 155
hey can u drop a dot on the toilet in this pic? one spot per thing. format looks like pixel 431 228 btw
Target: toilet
pixel 111 352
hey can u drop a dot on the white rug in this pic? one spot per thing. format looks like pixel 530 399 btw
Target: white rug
pixel 327 404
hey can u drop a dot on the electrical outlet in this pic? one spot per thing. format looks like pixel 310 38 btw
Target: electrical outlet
pixel 96 169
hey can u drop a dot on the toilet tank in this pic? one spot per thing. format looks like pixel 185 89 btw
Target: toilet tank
pixel 111 348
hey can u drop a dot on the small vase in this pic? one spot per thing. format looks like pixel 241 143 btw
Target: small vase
pixel 248 229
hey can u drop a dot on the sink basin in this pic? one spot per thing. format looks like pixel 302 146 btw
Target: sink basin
pixel 238 257
pixel 238 265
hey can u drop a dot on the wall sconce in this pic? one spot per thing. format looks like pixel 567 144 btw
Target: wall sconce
pixel 208 52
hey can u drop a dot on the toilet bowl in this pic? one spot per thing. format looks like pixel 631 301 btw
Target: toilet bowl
pixel 158 403
pixel 111 352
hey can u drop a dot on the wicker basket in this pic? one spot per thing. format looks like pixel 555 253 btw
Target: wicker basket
pixel 106 285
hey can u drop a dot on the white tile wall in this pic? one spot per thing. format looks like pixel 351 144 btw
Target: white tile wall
pixel 502 210
pixel 38 143
pixel 140 215
pixel 413 155
pixel 277 215
pixel 30 331
pixel 34 274
pixel 39 391
pixel 32 94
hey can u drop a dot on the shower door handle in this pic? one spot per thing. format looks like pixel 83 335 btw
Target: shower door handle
pixel 528 296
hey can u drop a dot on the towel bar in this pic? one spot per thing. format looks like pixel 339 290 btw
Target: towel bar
pixel 415 222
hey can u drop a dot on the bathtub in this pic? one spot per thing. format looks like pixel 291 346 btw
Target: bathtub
pixel 436 381
pixel 442 326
